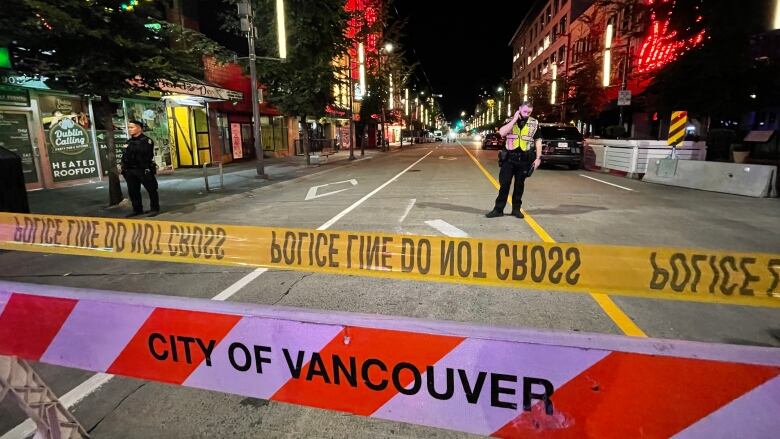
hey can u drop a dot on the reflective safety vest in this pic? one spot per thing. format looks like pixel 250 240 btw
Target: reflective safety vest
pixel 523 138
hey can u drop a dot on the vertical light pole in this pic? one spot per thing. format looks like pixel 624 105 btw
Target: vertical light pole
pixel 554 85
pixel 406 115
pixel 247 22
pixel 776 24
pixel 246 16
pixel 607 56
pixel 503 98
pixel 351 109
pixel 416 112
pixel 623 82
pixel 388 48
pixel 362 68
pixel 281 32
pixel 565 93
pixel 362 79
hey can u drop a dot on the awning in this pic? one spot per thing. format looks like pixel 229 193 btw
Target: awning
pixel 201 89
pixel 179 100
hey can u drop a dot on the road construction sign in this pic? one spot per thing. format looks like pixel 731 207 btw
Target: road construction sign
pixel 504 382
pixel 728 277
pixel 677 128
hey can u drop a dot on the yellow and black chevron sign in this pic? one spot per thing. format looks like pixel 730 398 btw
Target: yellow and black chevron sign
pixel 677 127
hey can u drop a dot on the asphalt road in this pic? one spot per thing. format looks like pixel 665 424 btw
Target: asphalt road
pixel 431 189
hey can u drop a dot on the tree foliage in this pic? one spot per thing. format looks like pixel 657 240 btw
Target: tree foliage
pixel 94 48
pixel 719 77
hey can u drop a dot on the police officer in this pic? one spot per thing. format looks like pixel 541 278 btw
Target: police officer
pixel 138 168
pixel 521 156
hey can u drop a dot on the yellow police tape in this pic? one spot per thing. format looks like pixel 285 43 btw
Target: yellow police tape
pixel 661 273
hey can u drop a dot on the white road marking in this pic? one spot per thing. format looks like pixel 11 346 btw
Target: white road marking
pixel 312 194
pixel 408 209
pixel 371 194
pixel 241 283
pixel 447 229
pixel 606 182
pixel 95 382
pixel 84 389
pixel 441 157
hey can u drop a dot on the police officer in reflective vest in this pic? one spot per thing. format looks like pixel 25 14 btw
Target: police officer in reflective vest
pixel 520 157
pixel 139 168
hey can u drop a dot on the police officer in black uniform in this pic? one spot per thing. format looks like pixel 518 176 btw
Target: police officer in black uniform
pixel 521 155
pixel 139 168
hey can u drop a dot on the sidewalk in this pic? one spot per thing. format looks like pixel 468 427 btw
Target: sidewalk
pixel 185 188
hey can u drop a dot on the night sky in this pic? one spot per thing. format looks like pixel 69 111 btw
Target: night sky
pixel 463 47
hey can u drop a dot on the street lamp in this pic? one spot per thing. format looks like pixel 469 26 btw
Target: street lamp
pixel 281 33
pixel 247 23
pixel 462 113
pixel 777 15
pixel 554 86
pixel 362 69
pixel 607 56
pixel 388 48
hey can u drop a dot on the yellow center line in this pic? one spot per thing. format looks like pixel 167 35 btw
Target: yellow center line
pixel 613 311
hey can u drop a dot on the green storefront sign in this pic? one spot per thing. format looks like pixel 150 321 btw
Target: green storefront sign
pixel 15 137
pixel 5 58
pixel 70 151
pixel 14 96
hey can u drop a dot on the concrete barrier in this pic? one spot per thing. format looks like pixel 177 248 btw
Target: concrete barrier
pixel 731 178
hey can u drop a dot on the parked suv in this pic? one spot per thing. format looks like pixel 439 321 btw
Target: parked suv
pixel 563 145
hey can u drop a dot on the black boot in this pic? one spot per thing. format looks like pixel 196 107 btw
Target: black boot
pixel 494 213
pixel 517 213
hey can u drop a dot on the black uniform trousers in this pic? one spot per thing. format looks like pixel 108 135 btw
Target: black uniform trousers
pixel 137 177
pixel 515 167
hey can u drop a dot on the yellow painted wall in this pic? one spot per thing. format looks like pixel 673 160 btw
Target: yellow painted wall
pixel 180 132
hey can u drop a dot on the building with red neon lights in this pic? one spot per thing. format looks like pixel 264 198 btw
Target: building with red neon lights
pixel 557 37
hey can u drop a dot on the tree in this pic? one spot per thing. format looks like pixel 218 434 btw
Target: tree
pixel 381 63
pixel 301 85
pixel 585 94
pixel 98 48
pixel 719 77
pixel 378 84
pixel 539 95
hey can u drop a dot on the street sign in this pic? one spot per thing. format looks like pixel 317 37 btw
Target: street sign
pixel 624 98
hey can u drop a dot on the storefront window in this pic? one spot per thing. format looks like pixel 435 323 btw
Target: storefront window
pixel 152 114
pixel 280 133
pixel 224 134
pixel 69 144
pixel 248 140
pixel 273 132
pixel 15 137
